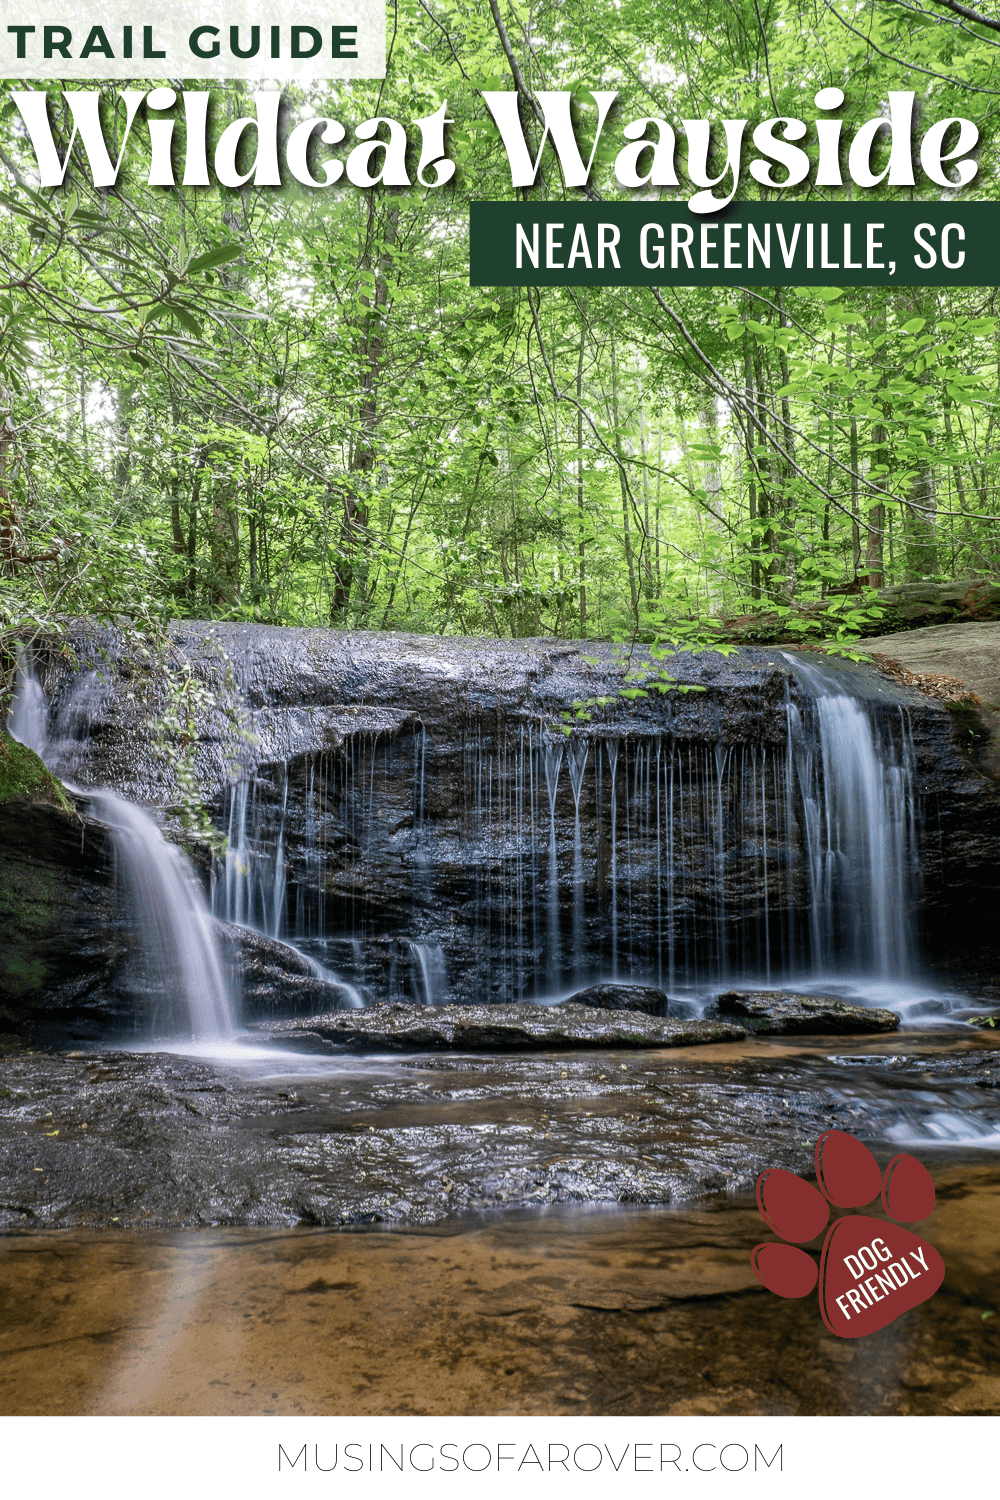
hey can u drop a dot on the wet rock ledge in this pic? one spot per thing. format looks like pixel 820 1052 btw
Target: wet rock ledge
pixel 795 1015
pixel 573 1025
pixel 495 1028
pixel 140 1140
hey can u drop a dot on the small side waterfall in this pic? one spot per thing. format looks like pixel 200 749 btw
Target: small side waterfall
pixel 28 721
pixel 176 968
pixel 855 773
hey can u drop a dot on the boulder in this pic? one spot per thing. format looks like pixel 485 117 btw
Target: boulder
pixel 276 979
pixel 902 607
pixel 494 1028
pixel 638 997
pixel 788 1014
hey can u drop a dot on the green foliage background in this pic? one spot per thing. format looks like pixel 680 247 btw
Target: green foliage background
pixel 288 405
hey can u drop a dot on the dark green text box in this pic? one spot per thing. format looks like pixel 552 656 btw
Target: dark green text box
pixel 749 244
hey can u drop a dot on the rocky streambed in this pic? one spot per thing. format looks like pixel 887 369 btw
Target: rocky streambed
pixel 161 1140
pixel 546 1312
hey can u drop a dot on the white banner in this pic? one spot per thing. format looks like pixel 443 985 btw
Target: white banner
pixel 551 1458
pixel 286 40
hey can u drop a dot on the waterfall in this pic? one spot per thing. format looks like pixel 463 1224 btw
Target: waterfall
pixel 29 713
pixel 177 966
pixel 859 814
pixel 432 972
pixel 473 868
pixel 180 967
pixel 685 862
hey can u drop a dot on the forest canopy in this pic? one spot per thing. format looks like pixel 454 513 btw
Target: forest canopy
pixel 288 404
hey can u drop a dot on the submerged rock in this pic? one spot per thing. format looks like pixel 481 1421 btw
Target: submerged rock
pixel 788 1014
pixel 640 997
pixel 497 1028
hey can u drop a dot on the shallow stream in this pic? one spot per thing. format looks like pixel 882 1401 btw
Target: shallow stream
pixel 505 1282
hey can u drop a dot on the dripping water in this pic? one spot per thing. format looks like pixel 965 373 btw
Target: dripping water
pixel 431 972
pixel 576 756
pixel 552 760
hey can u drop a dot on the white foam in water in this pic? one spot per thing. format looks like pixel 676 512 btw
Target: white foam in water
pixel 263 1061
pixel 947 1128
pixel 917 1002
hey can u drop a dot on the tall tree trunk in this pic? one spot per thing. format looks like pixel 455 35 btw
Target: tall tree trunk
pixel 855 511
pixel 626 523
pixel 9 526
pixel 351 572
pixel 874 555
pixel 751 444
pixel 581 514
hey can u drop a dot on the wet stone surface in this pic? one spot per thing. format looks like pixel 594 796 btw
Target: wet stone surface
pixel 641 997
pixel 788 1015
pixel 497 1028
pixel 160 1140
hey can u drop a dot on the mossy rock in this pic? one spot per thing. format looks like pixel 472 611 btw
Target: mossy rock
pixel 24 774
pixel 57 948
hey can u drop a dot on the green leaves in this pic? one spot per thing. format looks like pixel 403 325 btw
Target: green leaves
pixel 212 259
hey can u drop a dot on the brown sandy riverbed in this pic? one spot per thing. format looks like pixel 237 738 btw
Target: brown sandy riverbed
pixel 559 1311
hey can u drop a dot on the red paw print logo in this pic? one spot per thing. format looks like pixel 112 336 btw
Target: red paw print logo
pixel 870 1270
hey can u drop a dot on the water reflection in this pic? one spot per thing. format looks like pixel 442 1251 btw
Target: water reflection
pixel 628 1311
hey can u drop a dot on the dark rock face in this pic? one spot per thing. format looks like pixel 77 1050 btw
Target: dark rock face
pixel 276 980
pixel 58 944
pixel 496 1028
pixel 640 997
pixel 788 1015
pixel 413 814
